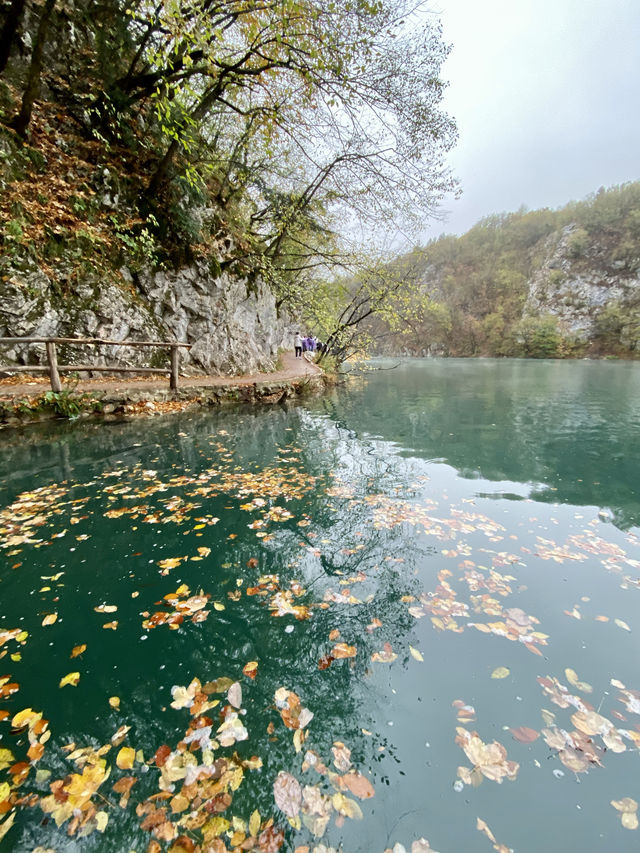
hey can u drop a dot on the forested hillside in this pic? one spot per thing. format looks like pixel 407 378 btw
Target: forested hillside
pixel 543 283
pixel 199 170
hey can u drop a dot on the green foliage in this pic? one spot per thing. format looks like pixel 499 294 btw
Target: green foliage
pixel 539 337
pixel 480 281
pixel 63 403
pixel 617 328
pixel 578 243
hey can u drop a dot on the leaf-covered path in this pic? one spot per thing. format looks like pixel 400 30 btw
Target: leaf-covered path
pixel 292 368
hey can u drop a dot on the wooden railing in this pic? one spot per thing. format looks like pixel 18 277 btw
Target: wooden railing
pixel 54 369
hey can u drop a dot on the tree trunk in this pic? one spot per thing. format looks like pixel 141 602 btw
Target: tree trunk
pixel 32 89
pixel 9 30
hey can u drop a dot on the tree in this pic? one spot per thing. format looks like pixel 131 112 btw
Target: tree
pixel 32 87
pixel 9 30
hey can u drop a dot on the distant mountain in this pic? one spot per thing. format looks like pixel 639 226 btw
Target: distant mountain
pixel 543 283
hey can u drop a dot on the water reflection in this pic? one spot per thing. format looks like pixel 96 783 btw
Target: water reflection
pixel 569 429
pixel 118 502
pixel 395 550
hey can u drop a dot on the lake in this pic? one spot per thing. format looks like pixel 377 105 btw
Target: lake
pixel 403 613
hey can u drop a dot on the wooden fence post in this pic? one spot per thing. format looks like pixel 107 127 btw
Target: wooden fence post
pixel 52 358
pixel 175 362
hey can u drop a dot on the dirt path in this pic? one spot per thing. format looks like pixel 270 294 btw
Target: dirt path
pixel 292 368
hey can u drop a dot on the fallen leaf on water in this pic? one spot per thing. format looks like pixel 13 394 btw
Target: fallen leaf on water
pixel 287 793
pixel 358 785
pixel 101 818
pixel 126 757
pixel 72 678
pixel 387 655
pixel 482 826
pixel 250 669
pixel 123 786
pixel 416 654
pixel 342 650
pixel 421 846
pixel 234 695
pixel 112 625
pixel 254 823
pixel 114 701
pixel 341 756
pixel 572 678
pixel 105 608
pixel 6 758
pixel 628 808
pixel 78 650
pixel 120 735
pixel 622 624
pixel 524 734
pixel 488 759
pixel 347 807
pixel 6 825
pixel 501 672
pixel 49 619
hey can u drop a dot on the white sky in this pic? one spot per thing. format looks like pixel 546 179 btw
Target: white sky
pixel 546 94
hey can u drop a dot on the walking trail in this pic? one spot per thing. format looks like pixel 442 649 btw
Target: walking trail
pixel 292 368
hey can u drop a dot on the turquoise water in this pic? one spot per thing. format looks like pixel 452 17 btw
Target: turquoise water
pixel 440 524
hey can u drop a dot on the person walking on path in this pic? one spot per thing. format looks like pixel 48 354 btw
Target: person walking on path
pixel 297 343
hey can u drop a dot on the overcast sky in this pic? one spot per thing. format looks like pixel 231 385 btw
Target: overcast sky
pixel 546 97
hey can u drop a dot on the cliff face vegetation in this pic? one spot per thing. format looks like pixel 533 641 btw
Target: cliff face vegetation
pixel 189 170
pixel 539 284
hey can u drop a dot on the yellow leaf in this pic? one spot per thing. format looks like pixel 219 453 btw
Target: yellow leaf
pixel 114 701
pixel 218 605
pixel 416 654
pixel 250 669
pixel 125 758
pixel 346 806
pixel 49 619
pixel 102 819
pixel 27 717
pixel 72 678
pixel 6 825
pixel 216 826
pixel 78 650
pixel 621 624
pixel 6 758
pixel 500 672
pixel 254 823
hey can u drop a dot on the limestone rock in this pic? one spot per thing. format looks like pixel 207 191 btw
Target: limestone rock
pixel 234 327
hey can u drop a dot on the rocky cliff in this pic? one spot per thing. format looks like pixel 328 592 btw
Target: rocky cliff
pixel 578 280
pixel 542 283
pixel 233 327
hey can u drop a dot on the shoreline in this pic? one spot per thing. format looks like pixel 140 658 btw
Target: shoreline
pixel 23 404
